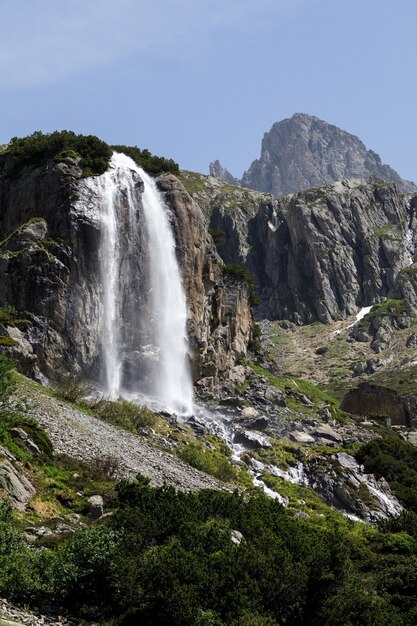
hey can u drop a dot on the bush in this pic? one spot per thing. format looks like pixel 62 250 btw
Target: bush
pixel 7 382
pixel 219 236
pixel 39 148
pixel 238 272
pixel 73 390
pixel 148 161
pixel 208 461
pixel 395 460
pixel 124 414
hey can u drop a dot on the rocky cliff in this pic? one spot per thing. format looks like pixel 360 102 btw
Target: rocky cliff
pixel 320 254
pixel 304 151
pixel 330 250
pixel 49 267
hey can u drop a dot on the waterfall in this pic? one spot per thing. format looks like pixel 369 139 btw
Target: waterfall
pixel 144 313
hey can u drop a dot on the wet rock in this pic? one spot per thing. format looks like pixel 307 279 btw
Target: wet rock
pixel 231 401
pixel 258 423
pixel 251 440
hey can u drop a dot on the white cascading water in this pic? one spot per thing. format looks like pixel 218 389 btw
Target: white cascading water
pixel 171 385
pixel 174 384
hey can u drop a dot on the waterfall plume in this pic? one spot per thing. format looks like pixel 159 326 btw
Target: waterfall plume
pixel 144 313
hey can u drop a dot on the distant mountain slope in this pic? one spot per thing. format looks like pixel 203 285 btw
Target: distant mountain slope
pixel 304 151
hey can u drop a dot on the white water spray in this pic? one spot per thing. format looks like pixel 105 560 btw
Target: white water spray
pixel 174 385
pixel 120 200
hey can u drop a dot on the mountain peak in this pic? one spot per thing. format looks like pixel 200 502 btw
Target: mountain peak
pixel 304 151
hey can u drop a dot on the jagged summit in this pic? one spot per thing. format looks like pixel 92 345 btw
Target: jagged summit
pixel 216 169
pixel 304 151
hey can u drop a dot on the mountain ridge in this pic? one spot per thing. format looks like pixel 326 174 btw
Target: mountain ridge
pixel 304 151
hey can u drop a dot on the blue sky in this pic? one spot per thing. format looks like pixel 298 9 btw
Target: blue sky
pixel 197 80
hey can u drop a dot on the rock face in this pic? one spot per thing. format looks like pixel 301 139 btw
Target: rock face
pixel 330 250
pixel 318 254
pixel 217 170
pixel 304 151
pixel 49 267
pixel 220 323
pixel 377 401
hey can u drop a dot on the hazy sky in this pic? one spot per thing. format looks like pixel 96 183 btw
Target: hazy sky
pixel 197 80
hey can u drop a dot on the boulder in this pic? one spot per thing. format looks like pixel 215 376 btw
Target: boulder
pixel 96 506
pixel 17 486
pixel 301 437
pixel 327 432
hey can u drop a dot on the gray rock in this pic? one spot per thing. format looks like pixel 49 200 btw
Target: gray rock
pixel 217 170
pixel 325 431
pixel 275 396
pixel 251 440
pixel 301 437
pixel 249 412
pixel 412 340
pixel 236 537
pixel 26 441
pixel 304 151
pixel 96 506
pixel 15 484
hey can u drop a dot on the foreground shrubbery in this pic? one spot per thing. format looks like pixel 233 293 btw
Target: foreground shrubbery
pixel 395 460
pixel 169 558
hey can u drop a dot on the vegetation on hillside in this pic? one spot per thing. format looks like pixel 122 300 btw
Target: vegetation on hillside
pixel 395 460
pixel 208 558
pixel 149 162
pixel 238 272
pixel 94 154
pixel 36 149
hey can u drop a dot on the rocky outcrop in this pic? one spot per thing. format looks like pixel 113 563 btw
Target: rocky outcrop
pixel 220 317
pixel 49 267
pixel 15 484
pixel 377 401
pixel 217 170
pixel 304 151
pixel 330 250
pixel 318 254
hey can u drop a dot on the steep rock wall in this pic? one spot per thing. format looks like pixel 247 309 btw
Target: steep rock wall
pixel 49 266
pixel 330 250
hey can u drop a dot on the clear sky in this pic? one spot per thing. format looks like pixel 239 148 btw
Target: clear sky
pixel 197 80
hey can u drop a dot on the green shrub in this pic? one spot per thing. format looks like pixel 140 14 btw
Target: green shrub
pixel 7 342
pixel 149 162
pixel 73 389
pixel 125 414
pixel 219 236
pixel 208 461
pixel 395 460
pixel 7 381
pixel 255 345
pixel 38 148
pixel 238 272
